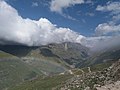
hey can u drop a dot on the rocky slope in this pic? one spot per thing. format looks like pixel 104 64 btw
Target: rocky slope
pixel 108 79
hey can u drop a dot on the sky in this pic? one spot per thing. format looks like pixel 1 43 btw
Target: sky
pixel 40 22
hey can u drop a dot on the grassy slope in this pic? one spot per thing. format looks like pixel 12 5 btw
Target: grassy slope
pixel 5 55
pixel 50 65
pixel 14 71
pixel 46 66
pixel 56 81
pixel 93 68
pixel 36 53
pixel 43 84
pixel 98 67
pixel 102 57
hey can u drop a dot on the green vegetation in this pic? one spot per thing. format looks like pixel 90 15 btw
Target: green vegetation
pixel 93 68
pixel 13 71
pixel 97 67
pixel 20 76
pixel 43 84
pixel 5 55
pixel 45 66
pixel 102 57
pixel 52 59
pixel 100 67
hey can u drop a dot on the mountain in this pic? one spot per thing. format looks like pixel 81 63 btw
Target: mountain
pixel 71 53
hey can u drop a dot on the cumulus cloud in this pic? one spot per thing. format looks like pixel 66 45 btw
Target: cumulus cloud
pixel 15 29
pixel 106 28
pixel 112 7
pixel 59 5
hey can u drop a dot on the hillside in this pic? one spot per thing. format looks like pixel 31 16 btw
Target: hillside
pixel 13 71
pixel 51 66
pixel 81 79
pixel 69 53
pixel 23 63
pixel 107 55
pixel 99 80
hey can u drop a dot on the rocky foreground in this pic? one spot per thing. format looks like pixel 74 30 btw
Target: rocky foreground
pixel 108 79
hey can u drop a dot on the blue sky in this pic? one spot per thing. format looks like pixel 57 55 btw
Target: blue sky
pixel 85 14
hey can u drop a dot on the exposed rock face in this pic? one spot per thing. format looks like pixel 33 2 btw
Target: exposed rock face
pixel 113 86
pixel 71 53
pixel 108 79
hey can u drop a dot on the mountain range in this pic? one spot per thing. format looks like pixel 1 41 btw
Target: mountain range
pixel 23 64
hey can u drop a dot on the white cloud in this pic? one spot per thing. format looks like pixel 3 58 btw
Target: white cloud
pixel 35 4
pixel 93 42
pixel 106 28
pixel 13 28
pixel 112 7
pixel 102 43
pixel 59 5
pixel 111 27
